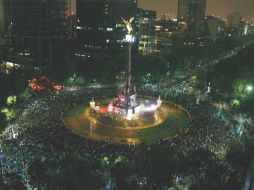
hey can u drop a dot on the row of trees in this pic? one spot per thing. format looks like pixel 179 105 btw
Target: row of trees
pixel 232 77
pixel 105 68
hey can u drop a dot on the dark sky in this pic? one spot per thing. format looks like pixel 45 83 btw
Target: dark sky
pixel 218 7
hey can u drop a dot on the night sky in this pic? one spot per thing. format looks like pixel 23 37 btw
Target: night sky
pixel 219 8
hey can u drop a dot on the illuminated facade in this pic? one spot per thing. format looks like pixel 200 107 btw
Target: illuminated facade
pixel 146 21
pixel 99 25
pixel 165 31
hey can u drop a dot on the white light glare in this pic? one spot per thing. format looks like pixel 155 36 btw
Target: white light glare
pixel 249 88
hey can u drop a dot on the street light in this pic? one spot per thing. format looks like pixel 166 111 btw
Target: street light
pixel 249 88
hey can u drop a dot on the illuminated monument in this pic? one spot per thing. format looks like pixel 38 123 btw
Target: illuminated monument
pixel 129 118
pixel 129 96
pixel 128 105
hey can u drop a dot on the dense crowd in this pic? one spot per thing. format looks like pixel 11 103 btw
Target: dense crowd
pixel 39 133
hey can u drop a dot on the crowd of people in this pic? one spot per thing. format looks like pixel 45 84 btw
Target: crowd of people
pixel 40 133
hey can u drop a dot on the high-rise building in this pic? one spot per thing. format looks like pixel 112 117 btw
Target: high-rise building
pixel 100 27
pixel 196 16
pixel 6 16
pixel 165 31
pixel 36 28
pixel 146 25
pixel 249 29
pixel 72 6
pixel 215 27
pixel 5 29
pixel 193 13
pixel 234 20
pixel 182 13
pixel 2 22
pixel 71 19
pixel 233 24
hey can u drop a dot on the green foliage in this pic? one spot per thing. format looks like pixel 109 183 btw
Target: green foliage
pixel 239 88
pixel 9 113
pixel 25 95
pixel 11 100
pixel 146 78
pixel 105 162
pixel 234 103
pixel 231 77
pixel 75 81
pixel 121 158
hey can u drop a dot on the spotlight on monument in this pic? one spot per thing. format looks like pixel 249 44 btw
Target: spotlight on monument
pixel 129 38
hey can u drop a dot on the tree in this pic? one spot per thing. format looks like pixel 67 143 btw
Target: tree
pixel 79 173
pixel 25 96
pixel 37 172
pixel 3 122
pixel 160 167
pixel 76 81
pixel 9 113
pixel 13 181
pixel 120 171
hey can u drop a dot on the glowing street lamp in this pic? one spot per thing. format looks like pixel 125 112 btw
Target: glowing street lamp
pixel 249 88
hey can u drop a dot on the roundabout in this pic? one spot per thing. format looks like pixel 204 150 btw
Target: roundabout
pixel 160 124
pixel 127 118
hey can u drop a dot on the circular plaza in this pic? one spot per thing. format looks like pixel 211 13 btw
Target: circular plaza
pixel 162 123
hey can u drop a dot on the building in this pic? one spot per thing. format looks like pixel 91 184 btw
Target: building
pixel 250 29
pixel 196 16
pixel 192 12
pixel 234 20
pixel 72 6
pixel 215 27
pixel 233 24
pixel 5 30
pixel 146 21
pixel 71 19
pixel 36 29
pixel 6 17
pixel 2 22
pixel 182 13
pixel 165 31
pixel 100 28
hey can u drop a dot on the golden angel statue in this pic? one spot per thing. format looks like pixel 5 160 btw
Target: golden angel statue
pixel 128 24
